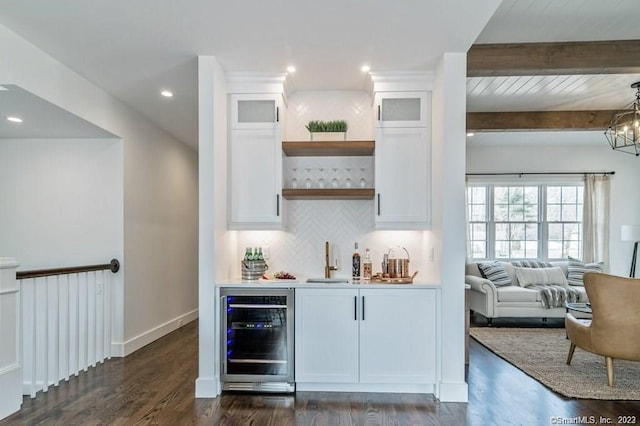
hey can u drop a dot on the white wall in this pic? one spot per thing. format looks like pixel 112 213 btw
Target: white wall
pixel 571 152
pixel 61 201
pixel 158 282
pixel 449 107
pixel 214 240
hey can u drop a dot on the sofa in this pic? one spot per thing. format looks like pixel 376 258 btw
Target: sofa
pixel 521 298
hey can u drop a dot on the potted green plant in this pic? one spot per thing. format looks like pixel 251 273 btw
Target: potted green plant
pixel 335 126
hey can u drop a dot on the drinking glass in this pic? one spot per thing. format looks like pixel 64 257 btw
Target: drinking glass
pixel 294 179
pixel 334 182
pixel 347 181
pixel 307 181
pixel 363 180
pixel 321 179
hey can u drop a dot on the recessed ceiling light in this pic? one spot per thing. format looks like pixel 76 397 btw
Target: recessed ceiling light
pixel 291 69
pixel 167 93
pixel 14 119
pixel 365 68
pixel 470 134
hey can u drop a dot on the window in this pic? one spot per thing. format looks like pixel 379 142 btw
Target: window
pixel 525 221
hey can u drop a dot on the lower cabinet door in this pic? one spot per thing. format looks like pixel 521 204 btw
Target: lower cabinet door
pixel 398 336
pixel 326 335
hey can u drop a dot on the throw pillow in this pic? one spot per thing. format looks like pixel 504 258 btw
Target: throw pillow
pixel 542 276
pixel 576 269
pixel 495 272
pixel 531 264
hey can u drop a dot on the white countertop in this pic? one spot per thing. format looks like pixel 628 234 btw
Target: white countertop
pixel 300 282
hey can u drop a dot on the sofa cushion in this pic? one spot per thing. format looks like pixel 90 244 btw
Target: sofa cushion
pixel 495 272
pixel 541 276
pixel 531 264
pixel 517 294
pixel 576 269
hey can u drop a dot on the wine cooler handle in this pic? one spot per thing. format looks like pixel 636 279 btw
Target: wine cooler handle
pixel 378 204
pixel 277 204
pixel 379 113
pixel 277 114
pixel 223 335
pixel 355 308
pixel 362 308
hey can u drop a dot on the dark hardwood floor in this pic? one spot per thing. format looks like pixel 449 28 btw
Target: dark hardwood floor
pixel 155 385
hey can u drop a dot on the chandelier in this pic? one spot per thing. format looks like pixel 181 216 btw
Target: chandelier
pixel 623 133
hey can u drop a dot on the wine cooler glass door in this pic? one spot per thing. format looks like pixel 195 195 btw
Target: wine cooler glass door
pixel 258 336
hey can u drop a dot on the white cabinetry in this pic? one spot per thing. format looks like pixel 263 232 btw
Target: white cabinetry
pixel 365 337
pixel 403 161
pixel 255 151
pixel 402 109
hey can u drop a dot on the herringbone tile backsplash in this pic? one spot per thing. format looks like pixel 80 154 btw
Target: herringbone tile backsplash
pixel 300 249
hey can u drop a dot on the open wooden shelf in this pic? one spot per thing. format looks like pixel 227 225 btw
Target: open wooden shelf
pixel 329 194
pixel 328 148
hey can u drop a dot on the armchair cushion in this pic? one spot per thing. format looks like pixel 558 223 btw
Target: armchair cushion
pixel 577 268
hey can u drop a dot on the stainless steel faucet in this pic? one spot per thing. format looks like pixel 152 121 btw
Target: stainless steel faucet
pixel 327 264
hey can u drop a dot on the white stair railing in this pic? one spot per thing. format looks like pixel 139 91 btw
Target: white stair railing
pixel 66 323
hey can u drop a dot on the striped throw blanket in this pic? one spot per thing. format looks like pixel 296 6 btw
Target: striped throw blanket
pixel 555 296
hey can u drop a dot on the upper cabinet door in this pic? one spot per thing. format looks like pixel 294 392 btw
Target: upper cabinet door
pixel 401 109
pixel 256 111
pixel 255 179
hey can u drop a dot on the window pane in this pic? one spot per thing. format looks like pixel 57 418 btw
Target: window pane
pixel 531 231
pixel 555 231
pixel 555 250
pixel 517 231
pixel 500 213
pixel 580 196
pixel 517 249
pixel 531 195
pixel 516 213
pixel 553 212
pixel 569 213
pixel 572 231
pixel 553 194
pixel 479 194
pixel 516 195
pixel 531 212
pixel 502 249
pixel 569 194
pixel 478 213
pixel 501 195
pixel 502 232
pixel 478 250
pixel 531 251
pixel 479 231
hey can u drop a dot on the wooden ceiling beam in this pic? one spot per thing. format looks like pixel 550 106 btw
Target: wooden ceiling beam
pixel 538 120
pixel 558 58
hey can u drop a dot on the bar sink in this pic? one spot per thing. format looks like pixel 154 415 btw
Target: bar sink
pixel 328 280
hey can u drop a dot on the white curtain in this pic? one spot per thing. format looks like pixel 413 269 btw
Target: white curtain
pixel 595 219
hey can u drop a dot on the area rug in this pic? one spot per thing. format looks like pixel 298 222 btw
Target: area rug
pixel 542 354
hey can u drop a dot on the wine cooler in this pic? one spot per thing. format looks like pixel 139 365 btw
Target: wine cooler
pixel 257 340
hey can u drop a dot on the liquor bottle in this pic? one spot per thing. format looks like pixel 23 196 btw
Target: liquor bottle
pixel 355 264
pixel 366 266
pixel 260 256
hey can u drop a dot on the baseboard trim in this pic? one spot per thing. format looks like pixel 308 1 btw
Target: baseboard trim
pixel 453 392
pixel 120 350
pixel 206 387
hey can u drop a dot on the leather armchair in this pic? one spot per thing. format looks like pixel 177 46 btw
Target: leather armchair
pixel 615 326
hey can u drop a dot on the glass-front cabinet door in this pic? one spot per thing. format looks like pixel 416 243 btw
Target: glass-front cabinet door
pixel 401 109
pixel 255 111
